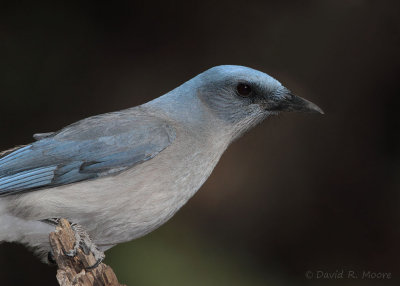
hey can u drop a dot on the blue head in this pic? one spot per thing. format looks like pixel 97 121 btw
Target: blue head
pixel 237 97
pixel 244 96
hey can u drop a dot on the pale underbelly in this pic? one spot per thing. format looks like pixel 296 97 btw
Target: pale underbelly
pixel 122 207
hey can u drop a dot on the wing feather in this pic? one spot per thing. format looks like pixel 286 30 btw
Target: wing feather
pixel 94 147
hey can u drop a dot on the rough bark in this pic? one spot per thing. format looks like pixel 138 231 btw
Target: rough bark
pixel 72 271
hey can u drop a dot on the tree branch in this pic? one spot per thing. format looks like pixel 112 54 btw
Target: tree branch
pixel 72 271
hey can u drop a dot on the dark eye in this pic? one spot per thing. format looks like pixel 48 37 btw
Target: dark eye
pixel 243 89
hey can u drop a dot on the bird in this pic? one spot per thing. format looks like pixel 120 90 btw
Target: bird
pixel 121 175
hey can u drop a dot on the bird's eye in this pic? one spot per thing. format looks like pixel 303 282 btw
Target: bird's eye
pixel 243 89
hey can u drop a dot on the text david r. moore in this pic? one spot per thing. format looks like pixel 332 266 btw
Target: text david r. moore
pixel 348 274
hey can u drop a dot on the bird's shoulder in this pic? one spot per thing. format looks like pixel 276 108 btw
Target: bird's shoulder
pixel 136 120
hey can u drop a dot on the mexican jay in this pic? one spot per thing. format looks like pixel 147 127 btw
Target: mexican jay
pixel 121 175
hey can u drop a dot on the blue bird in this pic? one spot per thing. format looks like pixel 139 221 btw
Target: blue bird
pixel 121 175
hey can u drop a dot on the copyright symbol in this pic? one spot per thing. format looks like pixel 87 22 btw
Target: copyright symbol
pixel 309 274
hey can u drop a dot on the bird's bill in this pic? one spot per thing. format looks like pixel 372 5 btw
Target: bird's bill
pixel 299 104
pixel 294 103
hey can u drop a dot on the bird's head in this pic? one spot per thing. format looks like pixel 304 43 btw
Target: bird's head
pixel 243 97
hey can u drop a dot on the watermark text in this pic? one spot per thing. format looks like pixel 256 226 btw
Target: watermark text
pixel 347 274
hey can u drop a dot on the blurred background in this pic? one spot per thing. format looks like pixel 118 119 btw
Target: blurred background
pixel 300 192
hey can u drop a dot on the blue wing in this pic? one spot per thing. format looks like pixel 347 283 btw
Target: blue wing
pixel 94 147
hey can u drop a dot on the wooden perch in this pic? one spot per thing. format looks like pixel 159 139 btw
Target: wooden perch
pixel 72 271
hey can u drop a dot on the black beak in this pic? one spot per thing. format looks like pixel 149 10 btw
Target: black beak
pixel 290 102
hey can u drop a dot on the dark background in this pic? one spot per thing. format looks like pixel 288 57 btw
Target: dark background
pixel 300 192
